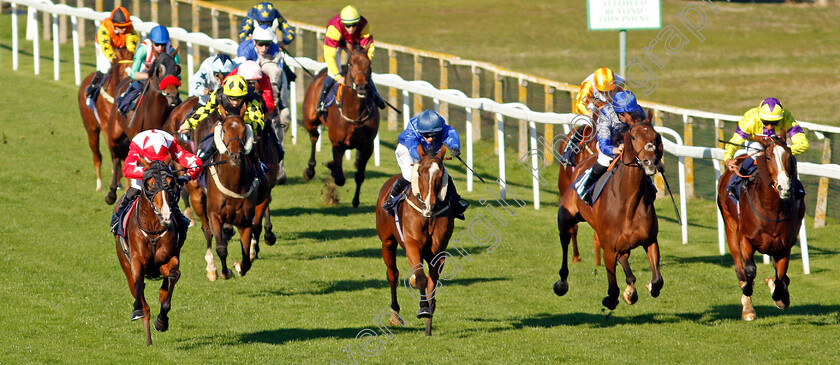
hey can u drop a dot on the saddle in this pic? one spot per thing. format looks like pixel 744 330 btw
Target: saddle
pixel 123 217
pixel 128 100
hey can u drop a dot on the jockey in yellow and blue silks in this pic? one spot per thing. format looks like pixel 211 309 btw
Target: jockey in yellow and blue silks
pixel 769 118
pixel 265 14
pixel 613 119
pixel 429 129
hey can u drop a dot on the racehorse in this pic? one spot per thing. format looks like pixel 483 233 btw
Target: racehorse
pixel 423 231
pixel 279 119
pixel 353 120
pixel 235 193
pixel 151 246
pixel 623 217
pixel 587 144
pixel 769 220
pixel 96 121
pixel 151 112
pixel 173 122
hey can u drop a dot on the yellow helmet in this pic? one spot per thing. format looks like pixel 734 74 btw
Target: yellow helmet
pixel 349 15
pixel 604 79
pixel 771 110
pixel 235 86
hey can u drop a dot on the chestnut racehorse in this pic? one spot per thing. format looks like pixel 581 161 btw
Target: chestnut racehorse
pixel 235 194
pixel 769 221
pixel 424 232
pixel 152 109
pixel 95 122
pixel 623 217
pixel 151 247
pixel 353 120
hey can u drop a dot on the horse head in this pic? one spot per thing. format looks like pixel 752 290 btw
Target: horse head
pixel 122 62
pixel 232 136
pixel 163 67
pixel 358 71
pixel 160 189
pixel 643 144
pixel 776 164
pixel 430 180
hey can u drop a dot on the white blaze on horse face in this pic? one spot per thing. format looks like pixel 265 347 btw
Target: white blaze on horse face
pixel 782 178
pixel 165 213
pixel 427 209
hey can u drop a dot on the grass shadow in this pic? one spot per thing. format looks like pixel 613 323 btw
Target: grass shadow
pixel 322 287
pixel 334 234
pixel 283 335
pixel 341 210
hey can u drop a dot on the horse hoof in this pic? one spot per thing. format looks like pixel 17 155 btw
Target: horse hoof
pixel 355 202
pixel 424 312
pixel 212 275
pixel 137 314
pixel 576 258
pixel 110 198
pixel 610 303
pixel 781 304
pixel 281 178
pixel 227 274
pixel 238 266
pixel 413 281
pixel 396 320
pixel 654 288
pixel 561 288
pixel 748 316
pixel 270 238
pixel 630 295
pixel 161 325
pixel 339 181
pixel 308 174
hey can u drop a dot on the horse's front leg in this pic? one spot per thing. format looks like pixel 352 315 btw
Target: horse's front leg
pixel 746 283
pixel 221 246
pixel 565 226
pixel 270 238
pixel 245 239
pixel 171 273
pixel 629 295
pixel 779 284
pixel 309 171
pixel 141 308
pixel 336 165
pixel 611 300
pixel 362 158
pixel 415 260
pixel 656 281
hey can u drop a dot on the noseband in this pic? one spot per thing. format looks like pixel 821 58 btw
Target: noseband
pixel 366 111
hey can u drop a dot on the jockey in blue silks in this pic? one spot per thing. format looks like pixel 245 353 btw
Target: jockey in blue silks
pixel 427 128
pixel 614 119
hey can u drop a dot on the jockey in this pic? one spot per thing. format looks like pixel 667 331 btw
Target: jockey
pixel 596 91
pixel 154 145
pixel 263 43
pixel 146 54
pixel 769 118
pixel 234 94
pixel 114 32
pixel 265 14
pixel 343 31
pixel 209 76
pixel 431 130
pixel 613 118
pixel 259 85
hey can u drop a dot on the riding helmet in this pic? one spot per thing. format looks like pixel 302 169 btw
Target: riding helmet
pixel 263 33
pixel 264 12
pixel 235 86
pixel 429 122
pixel 222 63
pixel 250 70
pixel 120 17
pixel 349 15
pixel 159 35
pixel 771 110
pixel 604 79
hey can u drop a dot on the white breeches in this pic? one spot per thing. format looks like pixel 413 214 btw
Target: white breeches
pixel 103 63
pixel 404 160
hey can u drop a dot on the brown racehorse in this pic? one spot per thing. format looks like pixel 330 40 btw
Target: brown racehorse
pixel 770 218
pixel 234 194
pixel 95 122
pixel 151 248
pixel 353 120
pixel 623 217
pixel 151 112
pixel 426 228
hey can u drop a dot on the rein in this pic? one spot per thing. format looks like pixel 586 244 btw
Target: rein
pixel 752 207
pixel 366 112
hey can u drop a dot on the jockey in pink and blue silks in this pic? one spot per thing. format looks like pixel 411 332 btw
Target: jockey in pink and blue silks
pixel 429 129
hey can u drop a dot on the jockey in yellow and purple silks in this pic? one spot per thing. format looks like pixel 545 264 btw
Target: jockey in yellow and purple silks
pixel 343 31
pixel 769 118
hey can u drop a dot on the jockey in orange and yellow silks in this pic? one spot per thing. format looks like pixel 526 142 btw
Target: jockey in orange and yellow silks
pixel 769 118
pixel 114 32
pixel 596 91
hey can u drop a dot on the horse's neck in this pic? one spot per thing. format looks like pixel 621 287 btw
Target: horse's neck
pixel 628 176
pixel 235 178
pixel 351 106
pixel 143 210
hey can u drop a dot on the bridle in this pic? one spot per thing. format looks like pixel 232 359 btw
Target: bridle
pixel 442 191
pixel 774 140
pixel 246 146
pixel 351 75
pixel 159 172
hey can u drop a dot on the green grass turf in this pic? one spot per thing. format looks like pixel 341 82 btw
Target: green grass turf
pixel 65 299
pixel 751 51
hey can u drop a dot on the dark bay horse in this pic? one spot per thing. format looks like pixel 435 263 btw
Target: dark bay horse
pixel 425 232
pixel 353 120
pixel 769 221
pixel 151 112
pixel 151 248
pixel 235 194
pixel 97 121
pixel 623 217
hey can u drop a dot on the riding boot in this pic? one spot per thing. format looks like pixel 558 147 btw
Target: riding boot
pixel 798 189
pixel 182 223
pixel 735 183
pixel 597 171
pixel 572 149
pixel 206 148
pixel 459 206
pixel 380 102
pixel 396 189
pixel 322 100
pixel 94 84
pixel 126 200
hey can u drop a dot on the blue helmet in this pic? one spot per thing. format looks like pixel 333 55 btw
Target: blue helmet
pixel 429 122
pixel 263 12
pixel 625 102
pixel 159 35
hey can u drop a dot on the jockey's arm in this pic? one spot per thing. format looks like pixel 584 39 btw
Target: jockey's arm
pixel 245 29
pixel 796 134
pixel 267 92
pixel 254 116
pixel 198 82
pixel 132 168
pixel 583 99
pixel 103 38
pixel 139 57
pixel 331 41
pixel 200 114
pixel 287 30
pixel 367 40
pixel 186 159
pixel 452 139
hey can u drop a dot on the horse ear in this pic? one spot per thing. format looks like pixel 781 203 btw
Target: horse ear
pixel 421 151
pixel 366 48
pixel 174 51
pixel 649 116
pixel 442 152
